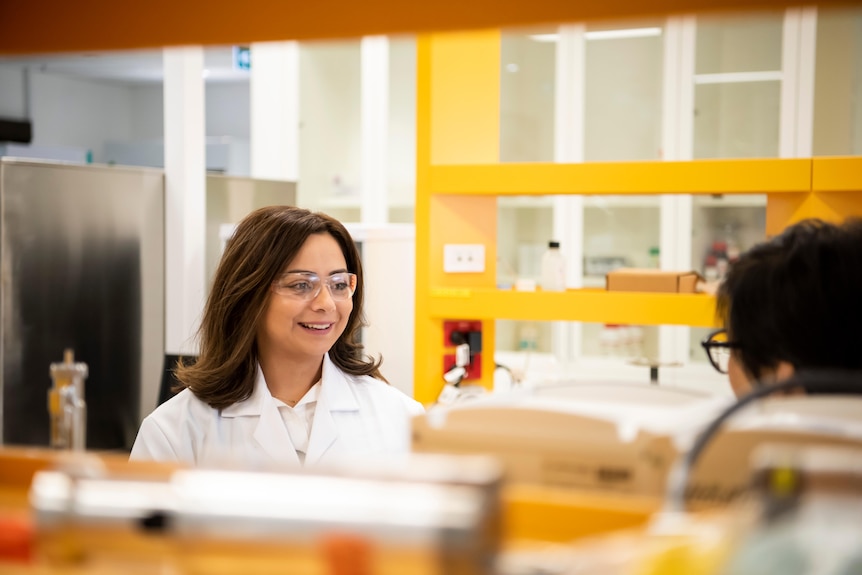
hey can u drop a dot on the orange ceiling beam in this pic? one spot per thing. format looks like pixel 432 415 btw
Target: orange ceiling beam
pixel 46 26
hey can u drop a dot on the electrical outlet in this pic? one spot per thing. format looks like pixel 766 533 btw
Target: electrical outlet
pixel 463 258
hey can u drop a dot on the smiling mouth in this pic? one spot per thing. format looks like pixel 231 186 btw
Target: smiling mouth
pixel 316 326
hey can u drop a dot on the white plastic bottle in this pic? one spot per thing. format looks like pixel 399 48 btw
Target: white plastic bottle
pixel 553 269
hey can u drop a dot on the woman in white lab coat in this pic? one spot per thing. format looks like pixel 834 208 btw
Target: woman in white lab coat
pixel 281 377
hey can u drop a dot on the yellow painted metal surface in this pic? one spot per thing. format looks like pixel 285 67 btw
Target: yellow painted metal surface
pixel 783 210
pixel 457 118
pixel 586 305
pixel 837 174
pixel 532 512
pixel 693 177
pixel 465 97
pixel 459 179
pixel 463 220
pixel 427 332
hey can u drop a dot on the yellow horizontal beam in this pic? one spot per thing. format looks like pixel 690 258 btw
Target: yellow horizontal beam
pixel 585 305
pixel 539 513
pixel 837 174
pixel 752 176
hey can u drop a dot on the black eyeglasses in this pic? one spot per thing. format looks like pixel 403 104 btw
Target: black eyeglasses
pixel 718 349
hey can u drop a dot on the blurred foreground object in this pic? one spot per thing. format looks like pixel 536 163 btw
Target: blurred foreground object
pixel 811 505
pixel 624 439
pixel 424 515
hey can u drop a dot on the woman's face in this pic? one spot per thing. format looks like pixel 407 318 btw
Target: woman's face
pixel 304 330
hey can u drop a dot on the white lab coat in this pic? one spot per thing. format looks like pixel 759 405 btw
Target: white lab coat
pixel 355 417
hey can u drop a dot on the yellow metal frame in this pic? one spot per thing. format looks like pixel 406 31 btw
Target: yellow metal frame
pixel 538 513
pixel 698 177
pixel 459 178
pixel 588 305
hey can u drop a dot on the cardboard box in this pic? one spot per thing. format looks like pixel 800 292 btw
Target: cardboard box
pixel 580 446
pixel 549 448
pixel 650 280
pixel 605 437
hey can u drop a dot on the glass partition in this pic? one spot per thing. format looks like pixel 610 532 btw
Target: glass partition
pixel 623 91
pixel 527 95
pixel 838 82
pixel 737 77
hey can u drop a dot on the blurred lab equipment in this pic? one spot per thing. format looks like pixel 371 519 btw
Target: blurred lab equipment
pixel 423 514
pixel 82 253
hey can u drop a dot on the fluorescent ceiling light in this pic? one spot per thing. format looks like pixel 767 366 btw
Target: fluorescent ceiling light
pixel 739 77
pixel 623 33
pixel 604 34
pixel 544 37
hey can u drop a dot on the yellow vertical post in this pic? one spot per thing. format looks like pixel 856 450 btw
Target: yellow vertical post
pixel 457 108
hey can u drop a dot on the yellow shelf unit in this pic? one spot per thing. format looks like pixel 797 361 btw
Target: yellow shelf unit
pixel 625 178
pixel 459 179
pixel 835 192
pixel 540 513
pixel 587 305
pixel 836 174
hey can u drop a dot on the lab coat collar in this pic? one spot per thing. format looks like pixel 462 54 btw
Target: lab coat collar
pixel 335 391
pixel 255 403
pixel 335 395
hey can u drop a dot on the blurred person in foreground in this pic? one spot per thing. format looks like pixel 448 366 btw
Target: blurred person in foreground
pixel 791 303
pixel 281 376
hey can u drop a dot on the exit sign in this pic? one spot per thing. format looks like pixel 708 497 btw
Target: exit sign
pixel 242 58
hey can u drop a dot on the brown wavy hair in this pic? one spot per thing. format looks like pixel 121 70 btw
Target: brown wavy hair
pixel 264 242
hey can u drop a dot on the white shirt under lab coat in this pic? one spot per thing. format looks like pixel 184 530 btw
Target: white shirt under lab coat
pixel 355 417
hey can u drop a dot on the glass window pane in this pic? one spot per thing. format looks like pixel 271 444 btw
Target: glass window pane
pixel 523 225
pixel 838 82
pixel 329 86
pixel 619 232
pixel 748 42
pixel 612 354
pixel 737 120
pixel 401 163
pixel 527 60
pixel 624 343
pixel 623 91
pixel 722 228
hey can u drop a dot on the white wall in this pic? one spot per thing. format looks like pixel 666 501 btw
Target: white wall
pixel 85 113
pixel 226 103
pixel 78 113
pixel 148 112
pixel 12 104
pixel 228 110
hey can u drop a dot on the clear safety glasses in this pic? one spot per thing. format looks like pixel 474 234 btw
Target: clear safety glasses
pixel 307 286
